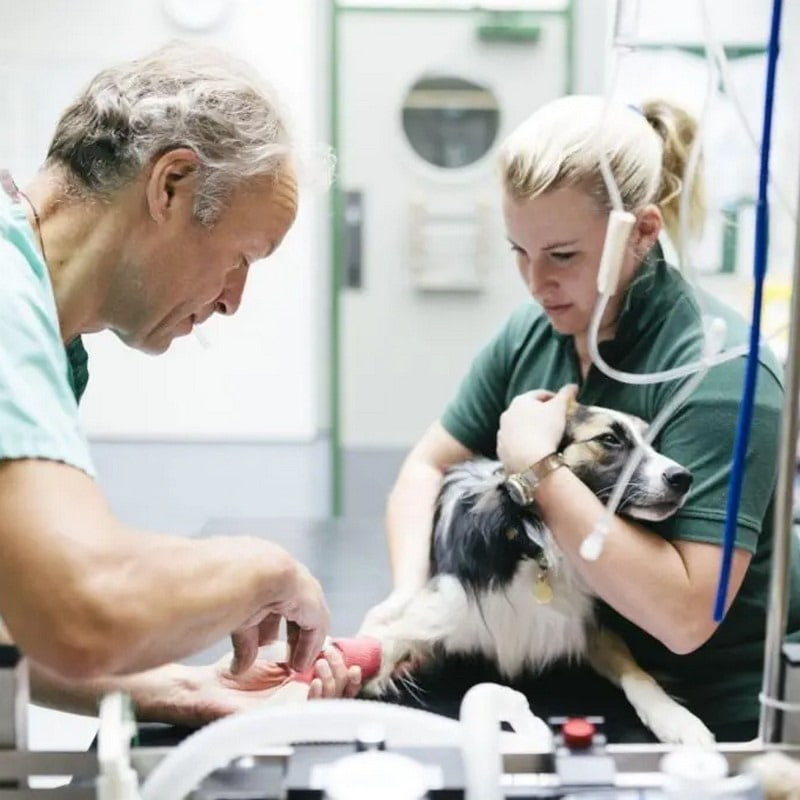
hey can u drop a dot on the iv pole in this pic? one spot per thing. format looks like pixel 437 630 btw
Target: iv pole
pixel 777 608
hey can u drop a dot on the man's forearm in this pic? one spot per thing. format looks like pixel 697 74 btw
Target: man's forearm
pixel 153 692
pixel 85 596
pixel 183 595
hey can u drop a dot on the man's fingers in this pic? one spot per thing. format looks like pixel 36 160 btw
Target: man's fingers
pixel 292 635
pixel 245 650
pixel 268 629
pixel 304 646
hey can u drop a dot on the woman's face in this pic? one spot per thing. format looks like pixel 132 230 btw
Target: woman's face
pixel 558 240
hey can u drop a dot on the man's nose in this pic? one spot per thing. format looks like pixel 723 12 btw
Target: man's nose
pixel 230 298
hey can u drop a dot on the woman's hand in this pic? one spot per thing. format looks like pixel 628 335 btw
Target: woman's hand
pixel 532 427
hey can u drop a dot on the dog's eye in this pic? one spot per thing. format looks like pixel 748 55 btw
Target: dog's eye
pixel 608 440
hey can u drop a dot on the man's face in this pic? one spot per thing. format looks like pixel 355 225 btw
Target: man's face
pixel 180 272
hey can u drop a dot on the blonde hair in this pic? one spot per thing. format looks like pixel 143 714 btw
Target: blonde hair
pixel 560 144
pixel 182 95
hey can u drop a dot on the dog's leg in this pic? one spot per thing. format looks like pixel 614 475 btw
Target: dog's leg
pixel 669 720
pixel 427 619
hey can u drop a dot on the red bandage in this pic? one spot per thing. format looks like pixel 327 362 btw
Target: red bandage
pixel 362 651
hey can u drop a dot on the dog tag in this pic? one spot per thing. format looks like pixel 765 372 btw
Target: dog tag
pixel 542 591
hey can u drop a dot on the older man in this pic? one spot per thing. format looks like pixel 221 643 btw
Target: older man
pixel 164 181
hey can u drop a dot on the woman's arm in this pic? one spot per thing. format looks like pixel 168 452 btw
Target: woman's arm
pixel 666 588
pixel 409 513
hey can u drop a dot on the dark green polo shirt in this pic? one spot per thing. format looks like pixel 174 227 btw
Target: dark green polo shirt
pixel 659 327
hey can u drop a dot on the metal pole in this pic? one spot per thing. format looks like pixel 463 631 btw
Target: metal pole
pixel 784 502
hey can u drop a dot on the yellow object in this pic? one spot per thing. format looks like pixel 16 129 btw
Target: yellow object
pixel 542 591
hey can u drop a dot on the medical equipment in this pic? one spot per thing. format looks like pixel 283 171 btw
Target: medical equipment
pixel 619 226
pixel 618 229
pixel 352 749
pixel 288 751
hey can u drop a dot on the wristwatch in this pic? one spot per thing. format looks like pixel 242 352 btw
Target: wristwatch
pixel 521 486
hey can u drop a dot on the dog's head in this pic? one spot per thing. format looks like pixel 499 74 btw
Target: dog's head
pixel 596 446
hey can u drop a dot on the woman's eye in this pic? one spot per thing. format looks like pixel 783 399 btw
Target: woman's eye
pixel 563 255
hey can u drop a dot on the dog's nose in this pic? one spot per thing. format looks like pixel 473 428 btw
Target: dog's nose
pixel 678 478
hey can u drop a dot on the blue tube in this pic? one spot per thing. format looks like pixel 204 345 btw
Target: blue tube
pixel 751 371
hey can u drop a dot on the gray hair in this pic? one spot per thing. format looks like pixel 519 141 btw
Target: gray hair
pixel 560 144
pixel 182 95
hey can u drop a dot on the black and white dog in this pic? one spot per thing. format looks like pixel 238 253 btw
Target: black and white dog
pixel 500 587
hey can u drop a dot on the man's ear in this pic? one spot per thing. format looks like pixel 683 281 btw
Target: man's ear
pixel 171 182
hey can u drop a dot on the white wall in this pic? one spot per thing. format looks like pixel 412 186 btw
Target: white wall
pixel 258 380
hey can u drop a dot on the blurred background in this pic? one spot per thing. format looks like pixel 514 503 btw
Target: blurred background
pixel 305 402
pixel 353 337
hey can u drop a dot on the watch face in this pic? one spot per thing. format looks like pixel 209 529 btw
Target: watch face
pixel 516 491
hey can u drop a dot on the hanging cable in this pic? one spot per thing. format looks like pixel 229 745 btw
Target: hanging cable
pixel 744 421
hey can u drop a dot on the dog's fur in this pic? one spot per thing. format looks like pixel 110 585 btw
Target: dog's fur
pixel 487 553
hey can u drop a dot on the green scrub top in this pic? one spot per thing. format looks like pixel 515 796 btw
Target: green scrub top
pixel 39 388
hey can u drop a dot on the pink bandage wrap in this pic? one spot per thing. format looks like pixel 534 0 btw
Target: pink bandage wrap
pixel 361 651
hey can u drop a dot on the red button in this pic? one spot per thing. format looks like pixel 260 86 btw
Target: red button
pixel 578 732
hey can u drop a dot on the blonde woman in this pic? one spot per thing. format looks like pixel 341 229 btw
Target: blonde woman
pixel 657 582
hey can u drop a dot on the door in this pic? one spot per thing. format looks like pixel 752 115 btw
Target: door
pixel 424 99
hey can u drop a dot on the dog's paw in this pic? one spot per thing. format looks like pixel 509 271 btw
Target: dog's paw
pixel 672 723
pixel 400 659
pixel 395 658
pixel 381 686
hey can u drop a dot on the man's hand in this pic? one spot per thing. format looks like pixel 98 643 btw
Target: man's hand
pixel 307 621
pixel 532 427
pixel 195 695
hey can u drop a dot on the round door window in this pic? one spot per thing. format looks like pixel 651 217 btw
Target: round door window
pixel 450 122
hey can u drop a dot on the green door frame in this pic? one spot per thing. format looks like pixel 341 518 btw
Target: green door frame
pixel 337 12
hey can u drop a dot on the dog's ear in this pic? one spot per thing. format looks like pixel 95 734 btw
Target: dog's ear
pixel 573 418
pixel 572 406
